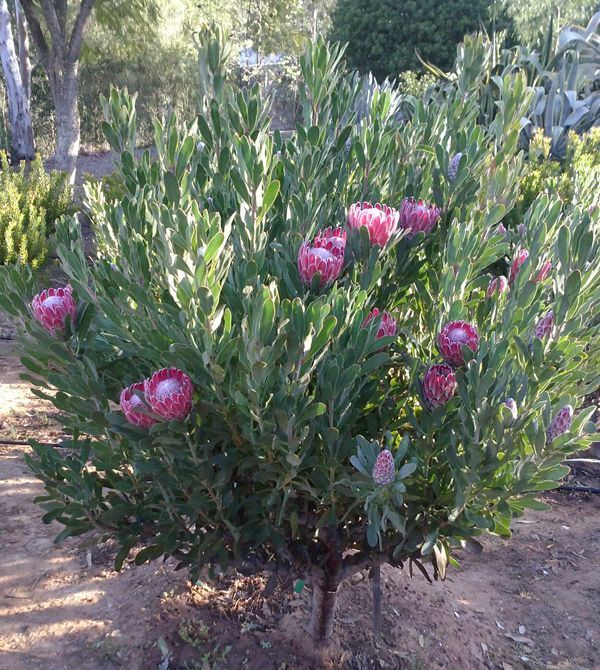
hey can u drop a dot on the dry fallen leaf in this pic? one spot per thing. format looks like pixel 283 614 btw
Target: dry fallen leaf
pixel 519 638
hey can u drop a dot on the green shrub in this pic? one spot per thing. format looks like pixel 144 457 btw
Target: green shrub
pixel 384 36
pixel 31 200
pixel 268 444
pixel 112 185
pixel 574 181
pixel 415 83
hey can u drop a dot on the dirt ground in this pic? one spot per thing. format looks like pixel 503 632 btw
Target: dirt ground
pixel 532 602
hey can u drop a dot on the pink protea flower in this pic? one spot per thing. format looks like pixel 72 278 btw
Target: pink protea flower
pixel 544 327
pixel 518 260
pixel 328 262
pixel 130 403
pixel 560 424
pixel 452 338
pixel 417 216
pixel 544 272
pixel 169 393
pixel 438 386
pixel 380 220
pixel 387 325
pixel 498 285
pixel 384 470
pixel 331 239
pixel 52 307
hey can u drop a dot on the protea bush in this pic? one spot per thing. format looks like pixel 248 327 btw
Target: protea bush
pixel 224 399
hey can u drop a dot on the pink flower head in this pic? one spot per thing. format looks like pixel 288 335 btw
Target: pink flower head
pixel 169 393
pixel 453 337
pixel 438 386
pixel 331 239
pixel 519 259
pixel 560 424
pixel 318 259
pixel 387 325
pixel 498 285
pixel 380 220
pixel 544 272
pixel 131 403
pixel 417 216
pixel 52 307
pixel 544 327
pixel 384 470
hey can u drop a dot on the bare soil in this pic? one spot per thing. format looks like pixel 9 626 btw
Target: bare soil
pixel 528 603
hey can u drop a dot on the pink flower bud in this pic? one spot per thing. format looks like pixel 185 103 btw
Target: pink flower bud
pixel 387 325
pixel 52 307
pixel 498 285
pixel 544 272
pixel 511 405
pixel 169 393
pixel 518 261
pixel 380 220
pixel 325 256
pixel 438 386
pixel 544 327
pixel 131 404
pixel 384 470
pixel 560 424
pixel 453 337
pixel 417 216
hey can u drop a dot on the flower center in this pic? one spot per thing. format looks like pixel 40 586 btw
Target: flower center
pixel 372 212
pixel 323 254
pixel 52 301
pixel 338 242
pixel 458 335
pixel 167 388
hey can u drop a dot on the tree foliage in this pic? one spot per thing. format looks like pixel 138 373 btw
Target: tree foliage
pixel 384 36
pixel 530 19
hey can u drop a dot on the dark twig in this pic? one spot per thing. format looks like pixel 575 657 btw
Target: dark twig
pixel 376 590
pixel 579 489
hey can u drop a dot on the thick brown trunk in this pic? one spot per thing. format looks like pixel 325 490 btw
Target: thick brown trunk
pixel 64 91
pixel 21 129
pixel 324 601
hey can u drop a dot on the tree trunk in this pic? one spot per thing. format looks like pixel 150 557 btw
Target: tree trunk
pixel 24 51
pixel 64 93
pixel 21 129
pixel 324 601
pixel 59 44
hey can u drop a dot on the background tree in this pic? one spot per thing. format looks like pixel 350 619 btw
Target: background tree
pixel 384 35
pixel 57 30
pixel 17 75
pixel 530 19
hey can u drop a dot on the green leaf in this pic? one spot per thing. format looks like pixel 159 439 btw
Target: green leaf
pixel 172 187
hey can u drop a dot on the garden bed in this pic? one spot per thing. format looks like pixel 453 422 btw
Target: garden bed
pixel 530 602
